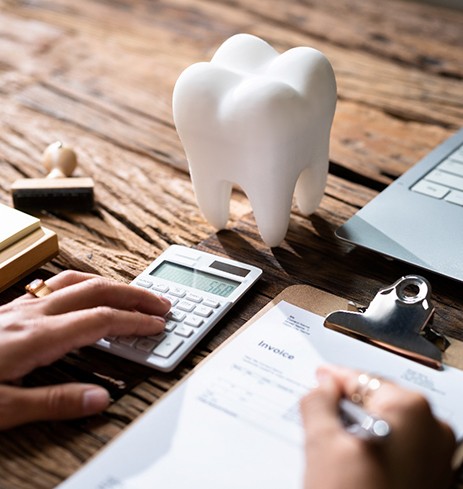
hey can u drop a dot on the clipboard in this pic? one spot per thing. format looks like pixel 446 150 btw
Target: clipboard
pixel 329 306
pixel 195 403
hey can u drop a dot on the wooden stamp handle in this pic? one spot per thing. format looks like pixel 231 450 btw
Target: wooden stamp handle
pixel 59 160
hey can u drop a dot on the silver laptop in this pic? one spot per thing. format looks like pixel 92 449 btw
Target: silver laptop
pixel 419 218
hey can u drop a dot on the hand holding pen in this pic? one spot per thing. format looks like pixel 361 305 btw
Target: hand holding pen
pixel 401 445
pixel 356 419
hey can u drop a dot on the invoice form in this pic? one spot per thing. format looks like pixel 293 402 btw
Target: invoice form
pixel 235 423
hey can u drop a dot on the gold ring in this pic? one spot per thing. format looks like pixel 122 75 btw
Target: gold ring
pixel 38 288
pixel 366 385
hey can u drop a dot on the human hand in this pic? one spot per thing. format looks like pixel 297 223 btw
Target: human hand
pixel 37 331
pixel 417 453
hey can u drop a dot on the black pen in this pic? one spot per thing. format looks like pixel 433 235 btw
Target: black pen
pixel 362 424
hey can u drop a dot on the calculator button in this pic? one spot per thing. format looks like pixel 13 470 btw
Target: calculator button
pixel 173 300
pixel 170 326
pixel 186 306
pixel 211 303
pixel 203 311
pixel 178 292
pixel 160 287
pixel 127 340
pixel 193 297
pixel 176 315
pixel 194 321
pixel 144 283
pixel 184 331
pixel 157 337
pixel 145 344
pixel 168 346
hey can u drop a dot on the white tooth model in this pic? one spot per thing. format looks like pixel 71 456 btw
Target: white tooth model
pixel 261 120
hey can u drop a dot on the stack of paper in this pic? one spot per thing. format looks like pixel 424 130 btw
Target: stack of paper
pixel 24 245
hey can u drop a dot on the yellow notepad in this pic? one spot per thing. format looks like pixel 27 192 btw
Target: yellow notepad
pixel 24 245
pixel 14 225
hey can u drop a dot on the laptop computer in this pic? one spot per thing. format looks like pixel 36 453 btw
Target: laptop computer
pixel 418 219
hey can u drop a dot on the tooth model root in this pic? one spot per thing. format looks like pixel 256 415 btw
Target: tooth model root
pixel 213 198
pixel 271 212
pixel 310 186
pixel 260 120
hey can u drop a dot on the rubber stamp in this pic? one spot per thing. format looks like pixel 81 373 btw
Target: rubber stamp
pixel 58 190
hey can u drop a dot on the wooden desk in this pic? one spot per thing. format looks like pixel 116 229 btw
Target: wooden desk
pixel 98 75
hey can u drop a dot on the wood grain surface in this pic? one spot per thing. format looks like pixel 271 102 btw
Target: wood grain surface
pixel 98 75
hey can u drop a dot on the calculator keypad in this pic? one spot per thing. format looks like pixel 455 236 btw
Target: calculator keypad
pixel 201 287
pixel 190 311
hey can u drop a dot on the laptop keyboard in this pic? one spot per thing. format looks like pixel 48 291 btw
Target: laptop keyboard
pixel 445 181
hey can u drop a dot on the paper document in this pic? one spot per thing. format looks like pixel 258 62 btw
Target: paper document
pixel 235 422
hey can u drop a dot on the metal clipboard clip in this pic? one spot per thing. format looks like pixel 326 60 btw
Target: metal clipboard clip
pixel 397 319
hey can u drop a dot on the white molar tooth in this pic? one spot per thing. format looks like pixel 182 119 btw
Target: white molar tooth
pixel 230 54
pixel 260 120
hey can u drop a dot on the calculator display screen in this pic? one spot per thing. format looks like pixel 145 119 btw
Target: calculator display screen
pixel 195 278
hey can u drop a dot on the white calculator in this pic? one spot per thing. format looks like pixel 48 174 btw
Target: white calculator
pixel 201 287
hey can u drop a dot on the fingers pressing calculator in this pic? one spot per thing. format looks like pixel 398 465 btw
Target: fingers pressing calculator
pixel 201 287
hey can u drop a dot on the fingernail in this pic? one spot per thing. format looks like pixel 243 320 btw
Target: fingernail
pixel 165 301
pixel 95 400
pixel 160 320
